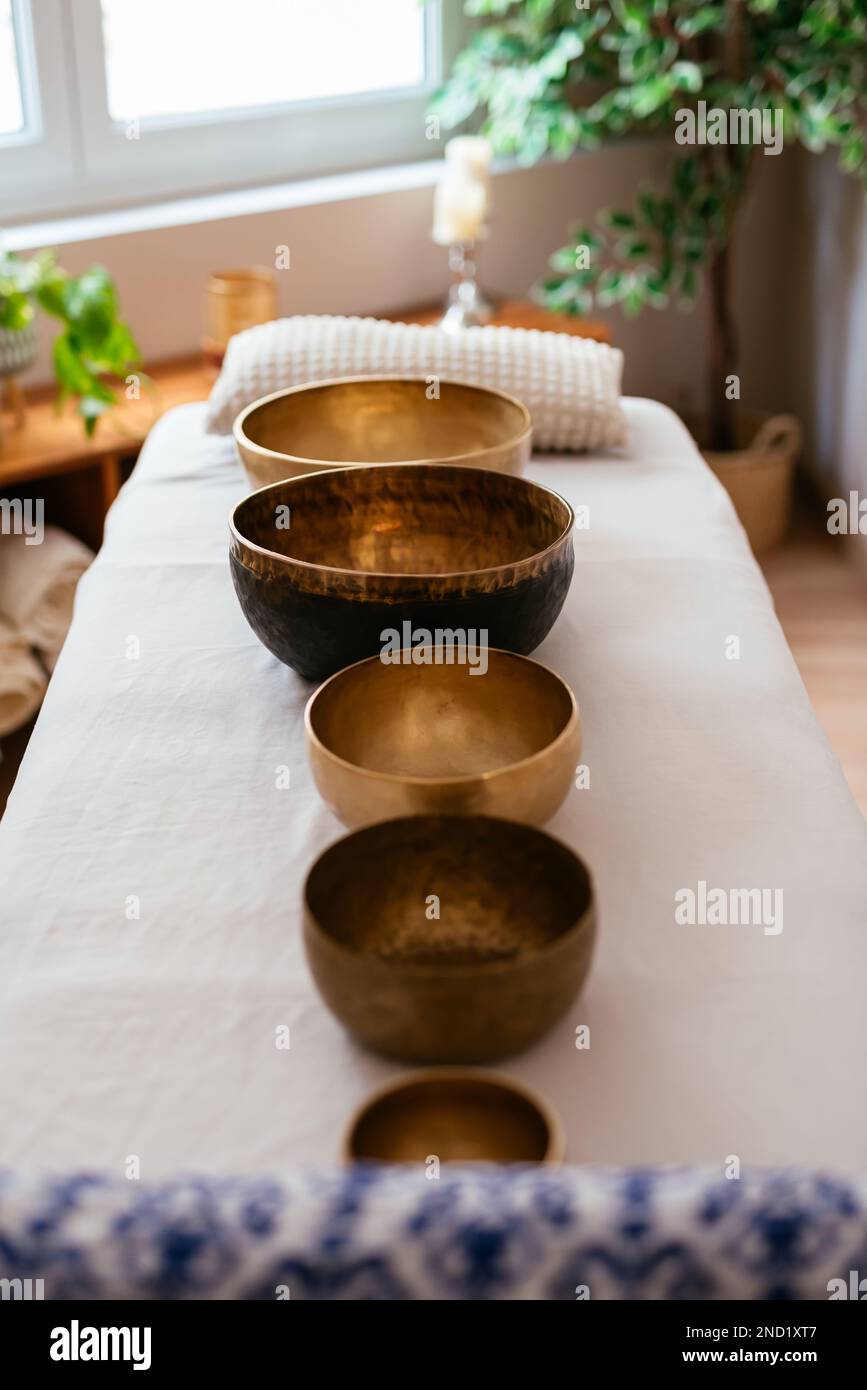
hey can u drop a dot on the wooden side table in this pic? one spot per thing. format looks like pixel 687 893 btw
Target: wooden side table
pixel 49 455
pixel 519 313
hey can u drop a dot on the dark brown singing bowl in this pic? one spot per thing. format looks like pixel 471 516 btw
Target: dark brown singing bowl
pixel 380 419
pixel 449 938
pixel 454 1115
pixel 326 565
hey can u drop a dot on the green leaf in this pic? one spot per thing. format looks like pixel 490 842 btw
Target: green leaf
pixel 617 221
pixel 563 259
pixel 687 76
pixel 632 15
pixel 853 153
pixel 708 17
pixel 657 289
pixel 90 302
pixel 633 248
pixel 72 375
pixel 633 296
pixel 608 289
pixel 649 95
pixel 16 312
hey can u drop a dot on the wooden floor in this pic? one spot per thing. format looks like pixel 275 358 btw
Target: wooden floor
pixel 821 599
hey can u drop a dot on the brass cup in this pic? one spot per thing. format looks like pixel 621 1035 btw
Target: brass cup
pixel 455 1115
pixel 404 739
pixel 380 419
pixel 450 939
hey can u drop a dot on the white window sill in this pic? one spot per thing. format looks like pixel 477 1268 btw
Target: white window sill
pixel 216 207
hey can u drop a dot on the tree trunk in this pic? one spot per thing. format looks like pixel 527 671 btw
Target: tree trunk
pixel 722 393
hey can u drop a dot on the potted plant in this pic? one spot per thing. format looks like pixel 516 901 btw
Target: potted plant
pixel 94 341
pixel 725 78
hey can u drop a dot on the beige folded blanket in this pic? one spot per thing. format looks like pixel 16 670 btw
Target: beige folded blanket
pixel 37 587
pixel 22 680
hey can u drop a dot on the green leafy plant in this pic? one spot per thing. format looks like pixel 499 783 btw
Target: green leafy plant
pixel 94 342
pixel 553 76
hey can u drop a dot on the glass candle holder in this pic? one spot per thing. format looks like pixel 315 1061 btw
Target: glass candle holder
pixel 466 305
pixel 235 300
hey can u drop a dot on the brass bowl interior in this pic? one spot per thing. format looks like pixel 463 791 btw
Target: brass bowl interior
pixel 385 420
pixel 440 721
pixel 421 520
pixel 504 891
pixel 457 1119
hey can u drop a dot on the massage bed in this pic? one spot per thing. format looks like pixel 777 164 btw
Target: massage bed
pixel 152 861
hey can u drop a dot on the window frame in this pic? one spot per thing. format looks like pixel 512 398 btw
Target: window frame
pixel 74 158
pixel 40 154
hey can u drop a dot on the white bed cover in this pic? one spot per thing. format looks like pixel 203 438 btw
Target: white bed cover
pixel 151 869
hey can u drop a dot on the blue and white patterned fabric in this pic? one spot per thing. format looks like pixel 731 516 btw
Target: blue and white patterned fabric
pixel 389 1233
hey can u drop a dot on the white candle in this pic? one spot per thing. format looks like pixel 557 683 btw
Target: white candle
pixel 462 197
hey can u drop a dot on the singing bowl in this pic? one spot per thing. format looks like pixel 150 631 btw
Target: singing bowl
pixel 454 1115
pixel 448 938
pixel 404 739
pixel 380 419
pixel 324 565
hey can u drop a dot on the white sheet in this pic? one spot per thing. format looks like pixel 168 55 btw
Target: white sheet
pixel 154 779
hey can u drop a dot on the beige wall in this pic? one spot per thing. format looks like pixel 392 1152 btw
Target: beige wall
pixel 374 254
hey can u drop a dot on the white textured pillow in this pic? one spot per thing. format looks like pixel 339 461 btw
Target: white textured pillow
pixel 570 385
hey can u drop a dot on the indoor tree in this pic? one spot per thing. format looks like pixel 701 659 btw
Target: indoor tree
pixel 554 76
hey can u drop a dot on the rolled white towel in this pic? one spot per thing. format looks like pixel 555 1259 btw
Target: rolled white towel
pixel 37 587
pixel 22 680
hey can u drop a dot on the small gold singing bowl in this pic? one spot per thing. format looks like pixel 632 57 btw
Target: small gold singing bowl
pixel 452 939
pixel 498 737
pixel 454 1115
pixel 380 419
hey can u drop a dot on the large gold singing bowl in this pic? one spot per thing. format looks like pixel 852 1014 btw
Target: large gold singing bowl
pixel 324 565
pixel 457 1115
pixel 380 419
pixel 449 938
pixel 394 740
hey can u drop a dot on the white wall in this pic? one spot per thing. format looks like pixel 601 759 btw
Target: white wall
pixel 373 254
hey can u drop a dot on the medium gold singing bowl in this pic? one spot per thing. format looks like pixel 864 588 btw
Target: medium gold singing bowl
pixel 393 740
pixel 449 938
pixel 324 564
pixel 455 1115
pixel 381 419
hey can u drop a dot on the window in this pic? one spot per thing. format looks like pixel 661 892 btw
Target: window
pixel 109 102
pixel 11 106
pixel 313 50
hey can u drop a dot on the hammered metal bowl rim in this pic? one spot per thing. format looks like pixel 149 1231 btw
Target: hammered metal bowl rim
pixel 555 1152
pixel 573 721
pixel 341 471
pixel 469 969
pixel 242 438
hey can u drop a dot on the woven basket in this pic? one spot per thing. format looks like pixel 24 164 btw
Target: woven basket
pixel 759 476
